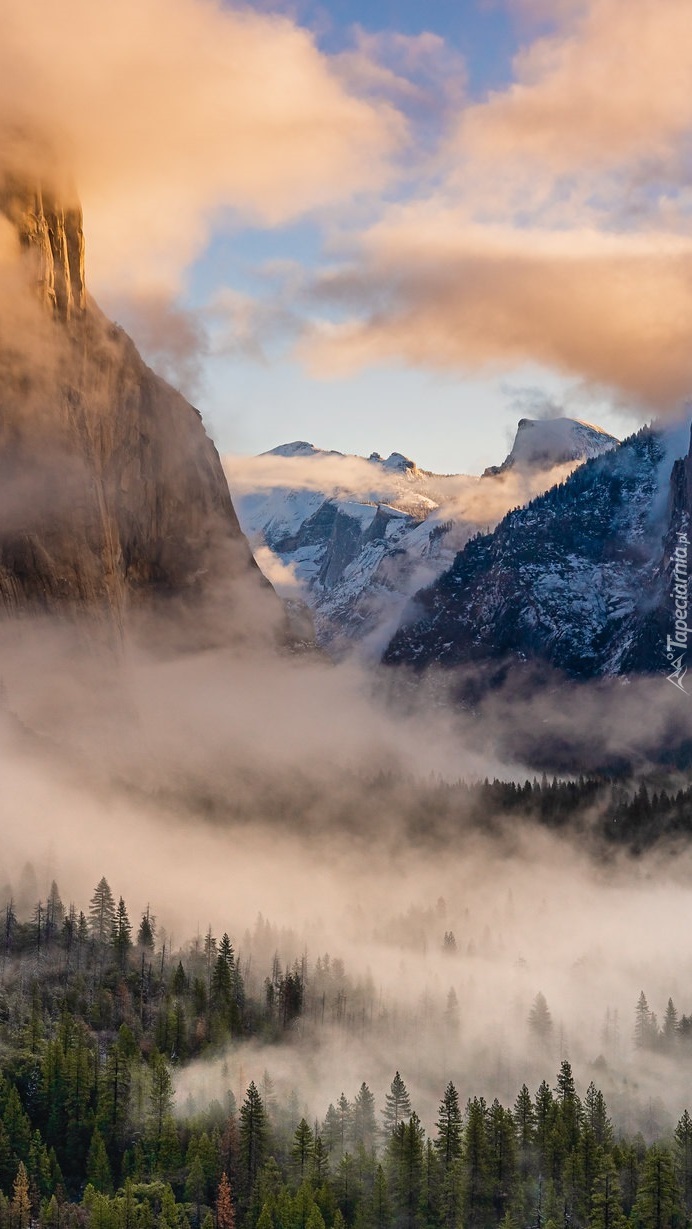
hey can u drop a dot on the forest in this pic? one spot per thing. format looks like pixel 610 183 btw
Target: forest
pixel 99 1015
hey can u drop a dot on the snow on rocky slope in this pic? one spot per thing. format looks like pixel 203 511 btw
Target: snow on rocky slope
pixel 356 537
pixel 579 579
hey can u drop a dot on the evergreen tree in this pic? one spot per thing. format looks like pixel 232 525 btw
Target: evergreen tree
pixel 253 1135
pixel 20 1207
pixel 320 1162
pixel 449 1128
pixel 147 932
pixel 364 1123
pixel 161 1097
pixel 405 1155
pixel 540 1020
pixel 225 1215
pixel 98 1170
pixel 122 930
pixel 501 1157
pixel 645 1026
pixel 596 1116
pixel 569 1106
pixel 657 1205
pixel 381 1207
pixel 683 1158
pixel 397 1105
pixel 476 1193
pixel 102 912
pixel 344 1115
pixel 303 1149
pixel 670 1026
pixel 524 1125
pixel 545 1117
pixel 606 1199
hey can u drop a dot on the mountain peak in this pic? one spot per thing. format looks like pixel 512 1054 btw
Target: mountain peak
pixel 541 443
pixel 300 448
pixel 396 462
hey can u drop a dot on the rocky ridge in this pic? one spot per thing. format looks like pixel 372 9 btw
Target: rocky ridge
pixel 578 580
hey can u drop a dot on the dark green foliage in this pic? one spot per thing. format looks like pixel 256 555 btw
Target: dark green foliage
pixel 397 1104
pixel 92 1048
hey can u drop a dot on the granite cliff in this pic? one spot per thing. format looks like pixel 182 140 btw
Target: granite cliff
pixel 113 502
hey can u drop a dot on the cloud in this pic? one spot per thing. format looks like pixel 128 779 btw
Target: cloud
pixel 279 574
pixel 612 86
pixel 174 340
pixel 434 290
pixel 420 73
pixel 473 502
pixel 559 230
pixel 169 111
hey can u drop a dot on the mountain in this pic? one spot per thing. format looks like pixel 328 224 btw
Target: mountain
pixel 578 580
pixel 113 500
pixel 361 535
pixel 544 442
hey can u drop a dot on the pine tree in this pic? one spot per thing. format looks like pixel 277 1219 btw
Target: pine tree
pixel 405 1154
pixel 683 1158
pixel 476 1165
pixel 381 1208
pixel 161 1097
pixel 569 1106
pixel 344 1111
pixel 98 1170
pixel 657 1204
pixel 196 1186
pixel 670 1026
pixel 147 932
pixel 122 930
pixel 364 1121
pixel 501 1157
pixel 102 912
pixel 545 1116
pixel 20 1207
pixel 303 1149
pixel 645 1026
pixel 253 1135
pixel 524 1125
pixel 596 1115
pixel 606 1199
pixel 397 1105
pixel 320 1162
pixel 449 1128
pixel 225 1215
pixel 540 1020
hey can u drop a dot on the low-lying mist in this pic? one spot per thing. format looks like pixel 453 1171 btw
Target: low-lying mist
pixel 294 805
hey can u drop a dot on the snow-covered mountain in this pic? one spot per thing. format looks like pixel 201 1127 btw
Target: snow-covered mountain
pixel 356 537
pixel 579 579
pixel 542 443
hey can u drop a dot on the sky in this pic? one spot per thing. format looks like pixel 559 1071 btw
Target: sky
pixel 380 226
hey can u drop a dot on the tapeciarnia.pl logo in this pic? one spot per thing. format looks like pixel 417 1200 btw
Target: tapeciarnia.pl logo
pixel 676 646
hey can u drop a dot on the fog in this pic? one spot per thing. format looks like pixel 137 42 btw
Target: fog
pixel 216 787
pixel 248 779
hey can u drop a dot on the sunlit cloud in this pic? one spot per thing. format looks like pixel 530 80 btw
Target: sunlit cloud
pixel 611 309
pixel 171 111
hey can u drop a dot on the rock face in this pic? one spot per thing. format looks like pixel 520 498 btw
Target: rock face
pixel 579 579
pixel 113 501
pixel 53 238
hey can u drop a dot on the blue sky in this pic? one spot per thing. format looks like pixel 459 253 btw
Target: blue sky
pixel 388 226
